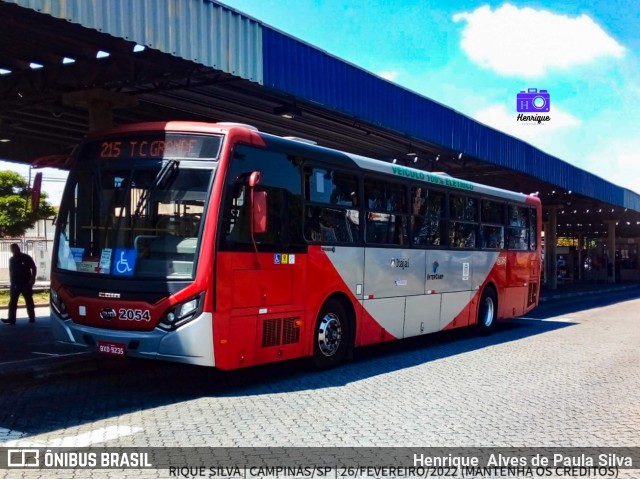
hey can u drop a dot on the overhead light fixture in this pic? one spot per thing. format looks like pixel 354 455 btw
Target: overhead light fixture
pixel 438 158
pixel 460 156
pixel 68 61
pixel 288 112
pixel 4 71
pixel 102 54
pixel 415 159
pixel 35 66
pixel 139 48
pixel 5 140
pixel 395 160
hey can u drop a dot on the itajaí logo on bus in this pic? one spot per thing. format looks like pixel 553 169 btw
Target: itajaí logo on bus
pixel 434 271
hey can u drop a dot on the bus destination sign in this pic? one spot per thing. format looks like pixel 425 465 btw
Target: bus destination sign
pixel 155 146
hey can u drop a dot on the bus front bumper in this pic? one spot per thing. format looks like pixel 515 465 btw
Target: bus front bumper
pixel 191 343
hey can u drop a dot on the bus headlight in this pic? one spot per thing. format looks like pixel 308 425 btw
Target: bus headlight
pixel 182 313
pixel 57 304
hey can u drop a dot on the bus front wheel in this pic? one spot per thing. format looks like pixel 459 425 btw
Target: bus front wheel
pixel 331 336
pixel 487 311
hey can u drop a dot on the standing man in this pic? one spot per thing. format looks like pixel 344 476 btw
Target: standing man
pixel 22 273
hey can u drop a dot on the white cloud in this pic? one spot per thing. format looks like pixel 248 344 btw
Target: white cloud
pixel 617 162
pixel 498 117
pixel 527 42
pixel 390 75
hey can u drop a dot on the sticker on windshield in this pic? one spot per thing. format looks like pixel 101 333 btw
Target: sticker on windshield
pixel 105 261
pixel 124 262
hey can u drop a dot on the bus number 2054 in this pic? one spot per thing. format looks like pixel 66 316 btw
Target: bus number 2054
pixel 134 314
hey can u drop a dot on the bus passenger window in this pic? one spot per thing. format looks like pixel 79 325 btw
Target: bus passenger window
pixel 428 217
pixel 281 180
pixel 332 214
pixel 386 212
pixel 492 215
pixel 463 217
pixel 518 232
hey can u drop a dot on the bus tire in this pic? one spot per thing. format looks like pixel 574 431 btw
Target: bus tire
pixel 331 335
pixel 487 311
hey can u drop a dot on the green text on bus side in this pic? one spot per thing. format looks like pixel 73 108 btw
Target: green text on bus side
pixel 430 178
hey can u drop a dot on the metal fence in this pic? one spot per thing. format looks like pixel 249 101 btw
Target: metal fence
pixel 39 249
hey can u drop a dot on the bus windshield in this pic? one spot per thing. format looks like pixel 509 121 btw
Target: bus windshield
pixel 134 215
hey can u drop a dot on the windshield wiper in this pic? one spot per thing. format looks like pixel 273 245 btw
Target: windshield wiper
pixel 165 176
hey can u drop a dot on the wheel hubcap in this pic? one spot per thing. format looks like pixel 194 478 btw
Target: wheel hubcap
pixel 329 334
pixel 487 318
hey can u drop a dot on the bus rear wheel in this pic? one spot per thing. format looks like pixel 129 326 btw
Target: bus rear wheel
pixel 331 335
pixel 487 311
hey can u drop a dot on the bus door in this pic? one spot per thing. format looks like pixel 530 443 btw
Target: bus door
pixel 457 271
pixel 261 272
pixel 394 274
pixel 518 262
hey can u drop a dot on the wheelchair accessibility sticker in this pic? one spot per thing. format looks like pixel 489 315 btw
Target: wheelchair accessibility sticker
pixel 284 258
pixel 124 262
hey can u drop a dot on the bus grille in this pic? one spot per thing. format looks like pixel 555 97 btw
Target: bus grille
pixel 280 331
pixel 533 294
pixel 271 329
pixel 291 333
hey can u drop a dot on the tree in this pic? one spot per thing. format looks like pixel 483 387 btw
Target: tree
pixel 15 213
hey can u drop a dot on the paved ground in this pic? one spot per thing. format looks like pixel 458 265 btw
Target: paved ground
pixel 569 375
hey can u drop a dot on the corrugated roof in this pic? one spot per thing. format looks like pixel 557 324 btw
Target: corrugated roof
pixel 198 30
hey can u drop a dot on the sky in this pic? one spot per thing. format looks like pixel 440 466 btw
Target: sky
pixel 475 56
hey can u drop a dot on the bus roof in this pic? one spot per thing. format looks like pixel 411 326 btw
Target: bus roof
pixel 440 179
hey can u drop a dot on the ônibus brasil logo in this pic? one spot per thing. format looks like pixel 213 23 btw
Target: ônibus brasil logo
pixel 533 101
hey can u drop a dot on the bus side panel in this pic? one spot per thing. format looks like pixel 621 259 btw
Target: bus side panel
pixel 341 269
pixel 517 287
pixel 260 313
pixel 391 275
pixel 459 309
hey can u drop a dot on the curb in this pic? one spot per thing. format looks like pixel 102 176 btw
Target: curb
pixel 592 292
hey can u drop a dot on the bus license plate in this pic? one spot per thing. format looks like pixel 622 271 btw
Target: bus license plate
pixel 117 349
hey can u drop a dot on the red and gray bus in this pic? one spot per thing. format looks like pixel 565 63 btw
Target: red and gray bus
pixel 220 245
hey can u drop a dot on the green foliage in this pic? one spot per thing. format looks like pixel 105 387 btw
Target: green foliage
pixel 15 198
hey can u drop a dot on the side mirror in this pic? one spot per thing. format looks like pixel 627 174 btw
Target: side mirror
pixel 259 210
pixel 35 193
pixel 254 178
